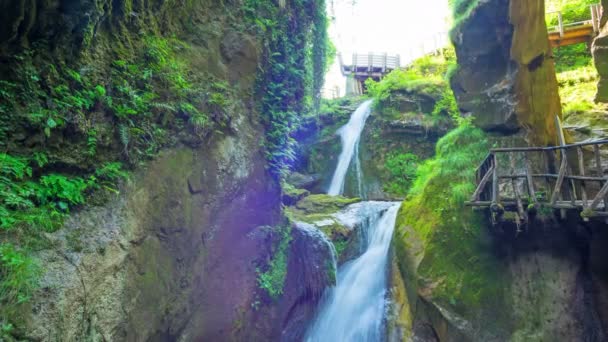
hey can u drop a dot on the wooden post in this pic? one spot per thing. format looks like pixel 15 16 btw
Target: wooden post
pixel 581 166
pixel 594 21
pixel 560 180
pixel 600 171
pixel 495 195
pixel 521 214
pixel 560 21
pixel 482 184
pixel 531 190
pixel 557 193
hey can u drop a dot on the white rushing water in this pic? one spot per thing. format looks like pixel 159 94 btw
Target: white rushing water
pixel 354 310
pixel 350 134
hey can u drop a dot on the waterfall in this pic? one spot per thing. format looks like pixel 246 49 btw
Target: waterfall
pixel 354 310
pixel 350 135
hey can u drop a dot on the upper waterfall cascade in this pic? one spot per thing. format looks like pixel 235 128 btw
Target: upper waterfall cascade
pixel 350 134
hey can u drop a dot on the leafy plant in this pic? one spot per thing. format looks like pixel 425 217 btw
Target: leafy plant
pixel 291 80
pixel 402 170
pixel 18 278
pixel 272 280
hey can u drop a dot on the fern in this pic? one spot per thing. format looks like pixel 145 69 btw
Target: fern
pixel 92 142
pixel 123 134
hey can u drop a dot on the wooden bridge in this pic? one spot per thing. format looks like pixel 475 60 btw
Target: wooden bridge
pixel 578 32
pixel 364 66
pixel 525 180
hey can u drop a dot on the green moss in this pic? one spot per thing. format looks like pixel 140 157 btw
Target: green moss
pixel 402 170
pixel 340 246
pixel 425 78
pixel 324 204
pixel 456 264
pixel 18 279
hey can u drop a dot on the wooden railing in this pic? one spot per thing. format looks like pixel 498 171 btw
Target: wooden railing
pixel 578 32
pixel 524 179
pixel 594 21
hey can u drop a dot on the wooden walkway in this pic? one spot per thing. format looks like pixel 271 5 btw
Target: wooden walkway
pixel 526 180
pixel 575 33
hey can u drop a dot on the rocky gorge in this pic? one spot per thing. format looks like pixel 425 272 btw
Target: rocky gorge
pixel 165 168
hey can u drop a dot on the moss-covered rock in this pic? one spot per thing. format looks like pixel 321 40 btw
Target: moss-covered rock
pixel 467 280
pixel 166 88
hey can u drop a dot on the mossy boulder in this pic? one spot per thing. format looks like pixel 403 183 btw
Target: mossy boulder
pixel 321 211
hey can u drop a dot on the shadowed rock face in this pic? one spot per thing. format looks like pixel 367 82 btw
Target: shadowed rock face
pixel 600 57
pixel 506 77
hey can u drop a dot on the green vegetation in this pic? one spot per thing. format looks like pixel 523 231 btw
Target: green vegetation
pixel 18 277
pixel 324 204
pixel 291 80
pixel 576 74
pixel 402 169
pixel 427 78
pixel 461 9
pixel 272 279
pixel 455 260
pixel 572 10
pixel 70 125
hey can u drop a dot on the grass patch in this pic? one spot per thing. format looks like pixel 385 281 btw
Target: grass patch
pixel 402 171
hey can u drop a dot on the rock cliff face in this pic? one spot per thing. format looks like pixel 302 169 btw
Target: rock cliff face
pixel 506 77
pixel 175 255
pixel 600 57
pixel 550 288
pixel 169 259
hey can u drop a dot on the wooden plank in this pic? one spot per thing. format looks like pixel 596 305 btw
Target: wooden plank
pixel 482 184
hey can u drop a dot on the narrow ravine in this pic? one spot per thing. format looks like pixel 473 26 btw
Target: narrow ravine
pixel 354 310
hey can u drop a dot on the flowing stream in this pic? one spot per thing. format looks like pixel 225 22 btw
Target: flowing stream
pixel 350 134
pixel 355 309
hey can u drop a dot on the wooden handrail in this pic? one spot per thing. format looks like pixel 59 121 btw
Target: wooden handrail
pixel 548 148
